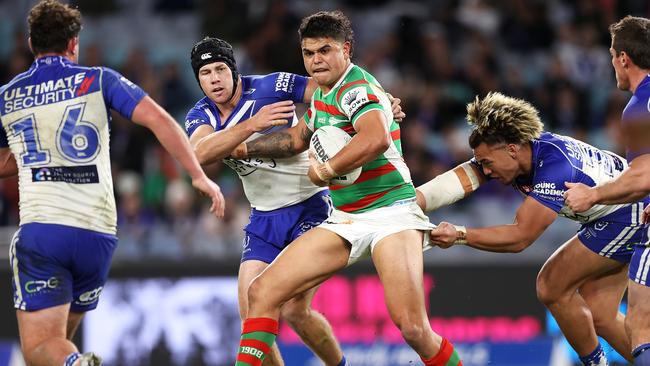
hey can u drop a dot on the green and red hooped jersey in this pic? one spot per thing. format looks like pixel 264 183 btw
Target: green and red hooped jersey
pixel 383 180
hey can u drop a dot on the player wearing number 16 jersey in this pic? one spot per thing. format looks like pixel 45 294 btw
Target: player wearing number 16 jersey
pixel 55 123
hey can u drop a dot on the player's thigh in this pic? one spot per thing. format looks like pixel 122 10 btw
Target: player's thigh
pixel 398 259
pixel 40 325
pixel 308 261
pixel 248 270
pixel 570 266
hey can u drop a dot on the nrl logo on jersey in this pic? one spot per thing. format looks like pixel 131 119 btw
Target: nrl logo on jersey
pixel 354 99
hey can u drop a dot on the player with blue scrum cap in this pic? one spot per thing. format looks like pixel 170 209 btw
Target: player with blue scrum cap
pixel 285 203
pixel 583 282
pixel 630 51
pixel 55 134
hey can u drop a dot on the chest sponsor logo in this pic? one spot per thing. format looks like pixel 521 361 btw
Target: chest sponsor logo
pixel 548 189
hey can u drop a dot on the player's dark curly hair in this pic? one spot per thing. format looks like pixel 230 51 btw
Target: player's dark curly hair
pixel 501 119
pixel 52 25
pixel 632 36
pixel 333 24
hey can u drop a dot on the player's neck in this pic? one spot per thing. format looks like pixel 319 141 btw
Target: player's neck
pixel 636 77
pixel 225 109
pixel 525 158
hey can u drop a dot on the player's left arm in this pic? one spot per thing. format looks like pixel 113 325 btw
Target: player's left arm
pixel 531 220
pixel 8 167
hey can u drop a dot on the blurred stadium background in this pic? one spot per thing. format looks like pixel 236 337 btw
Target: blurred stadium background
pixel 171 299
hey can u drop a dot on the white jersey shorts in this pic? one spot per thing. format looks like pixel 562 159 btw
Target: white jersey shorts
pixel 365 230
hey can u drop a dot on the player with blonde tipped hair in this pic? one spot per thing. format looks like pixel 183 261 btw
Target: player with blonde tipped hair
pixel 583 282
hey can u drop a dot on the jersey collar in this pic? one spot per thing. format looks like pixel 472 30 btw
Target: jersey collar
pixel 338 83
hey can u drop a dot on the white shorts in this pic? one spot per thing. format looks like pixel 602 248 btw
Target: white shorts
pixel 364 230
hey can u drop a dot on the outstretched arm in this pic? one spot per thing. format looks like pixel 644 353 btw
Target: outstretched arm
pixel 150 115
pixel 531 220
pixel 211 146
pixel 450 186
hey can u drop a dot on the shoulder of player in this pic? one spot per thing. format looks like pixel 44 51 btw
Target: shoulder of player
pixel 549 148
pixel 355 77
pixel 200 106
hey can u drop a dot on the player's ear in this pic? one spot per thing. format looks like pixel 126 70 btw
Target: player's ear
pixel 346 48
pixel 512 150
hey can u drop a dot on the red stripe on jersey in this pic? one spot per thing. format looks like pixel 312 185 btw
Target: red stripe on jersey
pixel 249 359
pixel 254 343
pixel 348 128
pixel 328 108
pixel 260 325
pixel 309 113
pixel 396 135
pixel 365 201
pixel 370 174
pixel 341 89
pixel 373 98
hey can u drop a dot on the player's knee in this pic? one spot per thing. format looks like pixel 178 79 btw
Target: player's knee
pixel 257 293
pixel 546 293
pixel 412 330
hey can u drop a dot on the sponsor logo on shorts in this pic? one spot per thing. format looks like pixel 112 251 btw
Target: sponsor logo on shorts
pixel 89 297
pixel 38 285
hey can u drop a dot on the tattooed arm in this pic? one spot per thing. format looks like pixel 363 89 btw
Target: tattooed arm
pixel 282 144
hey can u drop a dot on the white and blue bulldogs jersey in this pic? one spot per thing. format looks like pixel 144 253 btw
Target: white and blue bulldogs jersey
pixel 55 118
pixel 269 184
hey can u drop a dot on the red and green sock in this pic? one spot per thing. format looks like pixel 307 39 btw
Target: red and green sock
pixel 257 338
pixel 447 356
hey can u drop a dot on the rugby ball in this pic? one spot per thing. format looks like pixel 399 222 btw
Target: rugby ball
pixel 326 142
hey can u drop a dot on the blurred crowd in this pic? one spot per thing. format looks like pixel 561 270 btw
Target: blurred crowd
pixel 434 55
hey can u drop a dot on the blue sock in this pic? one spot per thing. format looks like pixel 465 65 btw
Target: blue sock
pixel 69 361
pixel 343 362
pixel 641 355
pixel 595 358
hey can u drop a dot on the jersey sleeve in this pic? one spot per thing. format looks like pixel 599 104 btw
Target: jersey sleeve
pixel 548 182
pixel 356 98
pixel 288 86
pixel 195 118
pixel 311 112
pixel 120 93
